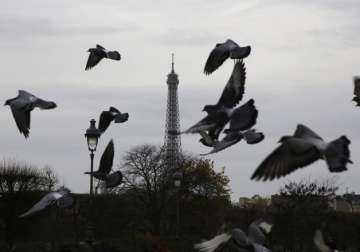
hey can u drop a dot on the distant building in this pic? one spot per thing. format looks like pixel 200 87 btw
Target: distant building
pixel 254 201
pixel 349 202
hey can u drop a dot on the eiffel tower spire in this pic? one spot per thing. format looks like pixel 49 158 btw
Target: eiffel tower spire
pixel 172 126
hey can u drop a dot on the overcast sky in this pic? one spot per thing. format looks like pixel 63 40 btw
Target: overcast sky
pixel 304 56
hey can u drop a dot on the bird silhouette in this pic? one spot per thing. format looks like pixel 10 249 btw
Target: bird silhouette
pixel 61 197
pixel 113 114
pixel 22 105
pixel 254 240
pixel 302 149
pixel 219 114
pixel 106 162
pixel 223 51
pixel 98 53
pixel 357 90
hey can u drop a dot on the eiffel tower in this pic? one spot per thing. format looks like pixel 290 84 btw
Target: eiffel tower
pixel 172 141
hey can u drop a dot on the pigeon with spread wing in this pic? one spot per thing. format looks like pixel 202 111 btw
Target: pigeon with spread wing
pixel 113 114
pixel 61 197
pixel 223 51
pixel 22 105
pixel 254 240
pixel 98 53
pixel 302 149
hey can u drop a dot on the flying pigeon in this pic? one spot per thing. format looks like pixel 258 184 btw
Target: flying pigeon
pixel 357 90
pixel 253 241
pixel 233 137
pixel 323 246
pixel 219 114
pixel 239 129
pixel 302 149
pixel 22 105
pixel 98 53
pixel 106 162
pixel 222 51
pixel 106 117
pixel 243 117
pixel 48 200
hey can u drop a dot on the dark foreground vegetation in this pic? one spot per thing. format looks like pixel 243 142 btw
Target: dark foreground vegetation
pixel 141 214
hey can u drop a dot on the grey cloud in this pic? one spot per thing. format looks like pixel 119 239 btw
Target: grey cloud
pixel 188 37
pixel 17 28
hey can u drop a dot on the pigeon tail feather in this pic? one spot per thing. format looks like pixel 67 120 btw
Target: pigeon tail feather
pixel 240 52
pixel 253 137
pixel 114 55
pixel 46 104
pixel 211 245
pixel 337 154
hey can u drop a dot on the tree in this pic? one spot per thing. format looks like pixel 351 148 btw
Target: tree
pixel 299 209
pixel 18 184
pixel 151 183
pixel 23 177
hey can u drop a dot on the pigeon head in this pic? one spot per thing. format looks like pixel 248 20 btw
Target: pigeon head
pixel 210 108
pixel 7 102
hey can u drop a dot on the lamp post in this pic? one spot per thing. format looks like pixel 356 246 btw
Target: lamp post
pixel 177 182
pixel 92 136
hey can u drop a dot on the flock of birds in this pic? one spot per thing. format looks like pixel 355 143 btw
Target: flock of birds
pixel 255 239
pixel 299 150
pixel 25 102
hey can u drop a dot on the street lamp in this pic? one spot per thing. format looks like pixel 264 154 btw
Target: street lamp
pixel 177 176
pixel 92 136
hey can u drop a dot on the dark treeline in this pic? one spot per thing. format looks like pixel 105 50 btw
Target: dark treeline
pixel 141 214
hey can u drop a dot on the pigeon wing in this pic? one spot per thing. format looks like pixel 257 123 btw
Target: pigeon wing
pixel 107 158
pixel 357 86
pixel 92 61
pixel 22 120
pixel 46 201
pixel 235 87
pixel 216 58
pixel 244 117
pixel 319 242
pixel 283 160
pixel 113 109
pixel 104 121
